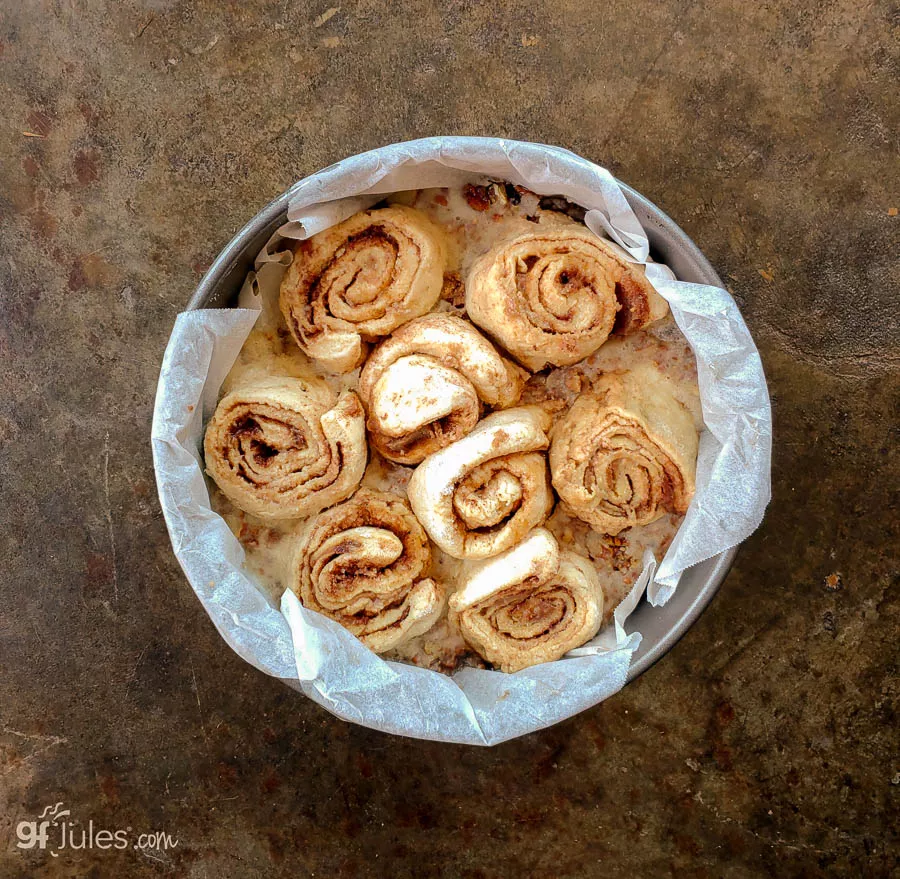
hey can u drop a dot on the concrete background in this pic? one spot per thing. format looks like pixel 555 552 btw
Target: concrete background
pixel 138 136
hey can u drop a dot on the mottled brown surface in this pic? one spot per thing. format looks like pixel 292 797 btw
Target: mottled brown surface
pixel 138 136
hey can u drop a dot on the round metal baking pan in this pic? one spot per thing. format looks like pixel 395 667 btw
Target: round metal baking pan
pixel 661 627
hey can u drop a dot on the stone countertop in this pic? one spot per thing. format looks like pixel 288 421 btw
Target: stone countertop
pixel 139 135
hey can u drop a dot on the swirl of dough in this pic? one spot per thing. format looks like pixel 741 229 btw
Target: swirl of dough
pixel 484 492
pixel 360 280
pixel 554 295
pixel 530 604
pixel 424 387
pixel 285 448
pixel 625 454
pixel 364 563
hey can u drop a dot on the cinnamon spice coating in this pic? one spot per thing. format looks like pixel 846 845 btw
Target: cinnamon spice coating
pixel 530 604
pixel 554 295
pixel 482 494
pixel 625 454
pixel 427 385
pixel 365 564
pixel 286 448
pixel 359 280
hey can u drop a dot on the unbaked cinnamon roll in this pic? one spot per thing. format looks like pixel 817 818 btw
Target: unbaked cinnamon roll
pixel 425 386
pixel 625 454
pixel 483 493
pixel 360 279
pixel 364 563
pixel 531 604
pixel 286 448
pixel 553 296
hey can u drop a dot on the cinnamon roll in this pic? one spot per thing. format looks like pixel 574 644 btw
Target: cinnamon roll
pixel 360 280
pixel 364 563
pixel 286 448
pixel 425 386
pixel 530 604
pixel 484 492
pixel 625 454
pixel 554 295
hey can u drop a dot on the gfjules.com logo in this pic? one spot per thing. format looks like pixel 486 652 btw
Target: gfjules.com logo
pixel 51 832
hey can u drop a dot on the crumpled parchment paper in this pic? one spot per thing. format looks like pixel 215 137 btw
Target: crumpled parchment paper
pixel 315 654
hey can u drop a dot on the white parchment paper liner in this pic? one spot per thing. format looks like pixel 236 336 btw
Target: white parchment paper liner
pixel 315 654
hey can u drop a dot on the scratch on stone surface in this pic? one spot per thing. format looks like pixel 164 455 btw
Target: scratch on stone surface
pixel 109 521
pixel 144 26
pixel 741 647
pixel 133 676
pixel 773 843
pixel 651 69
pixel 99 250
pixel 874 359
pixel 726 170
pixel 35 737
pixel 326 16
pixel 147 854
pixel 200 50
pixel 48 743
pixel 199 707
